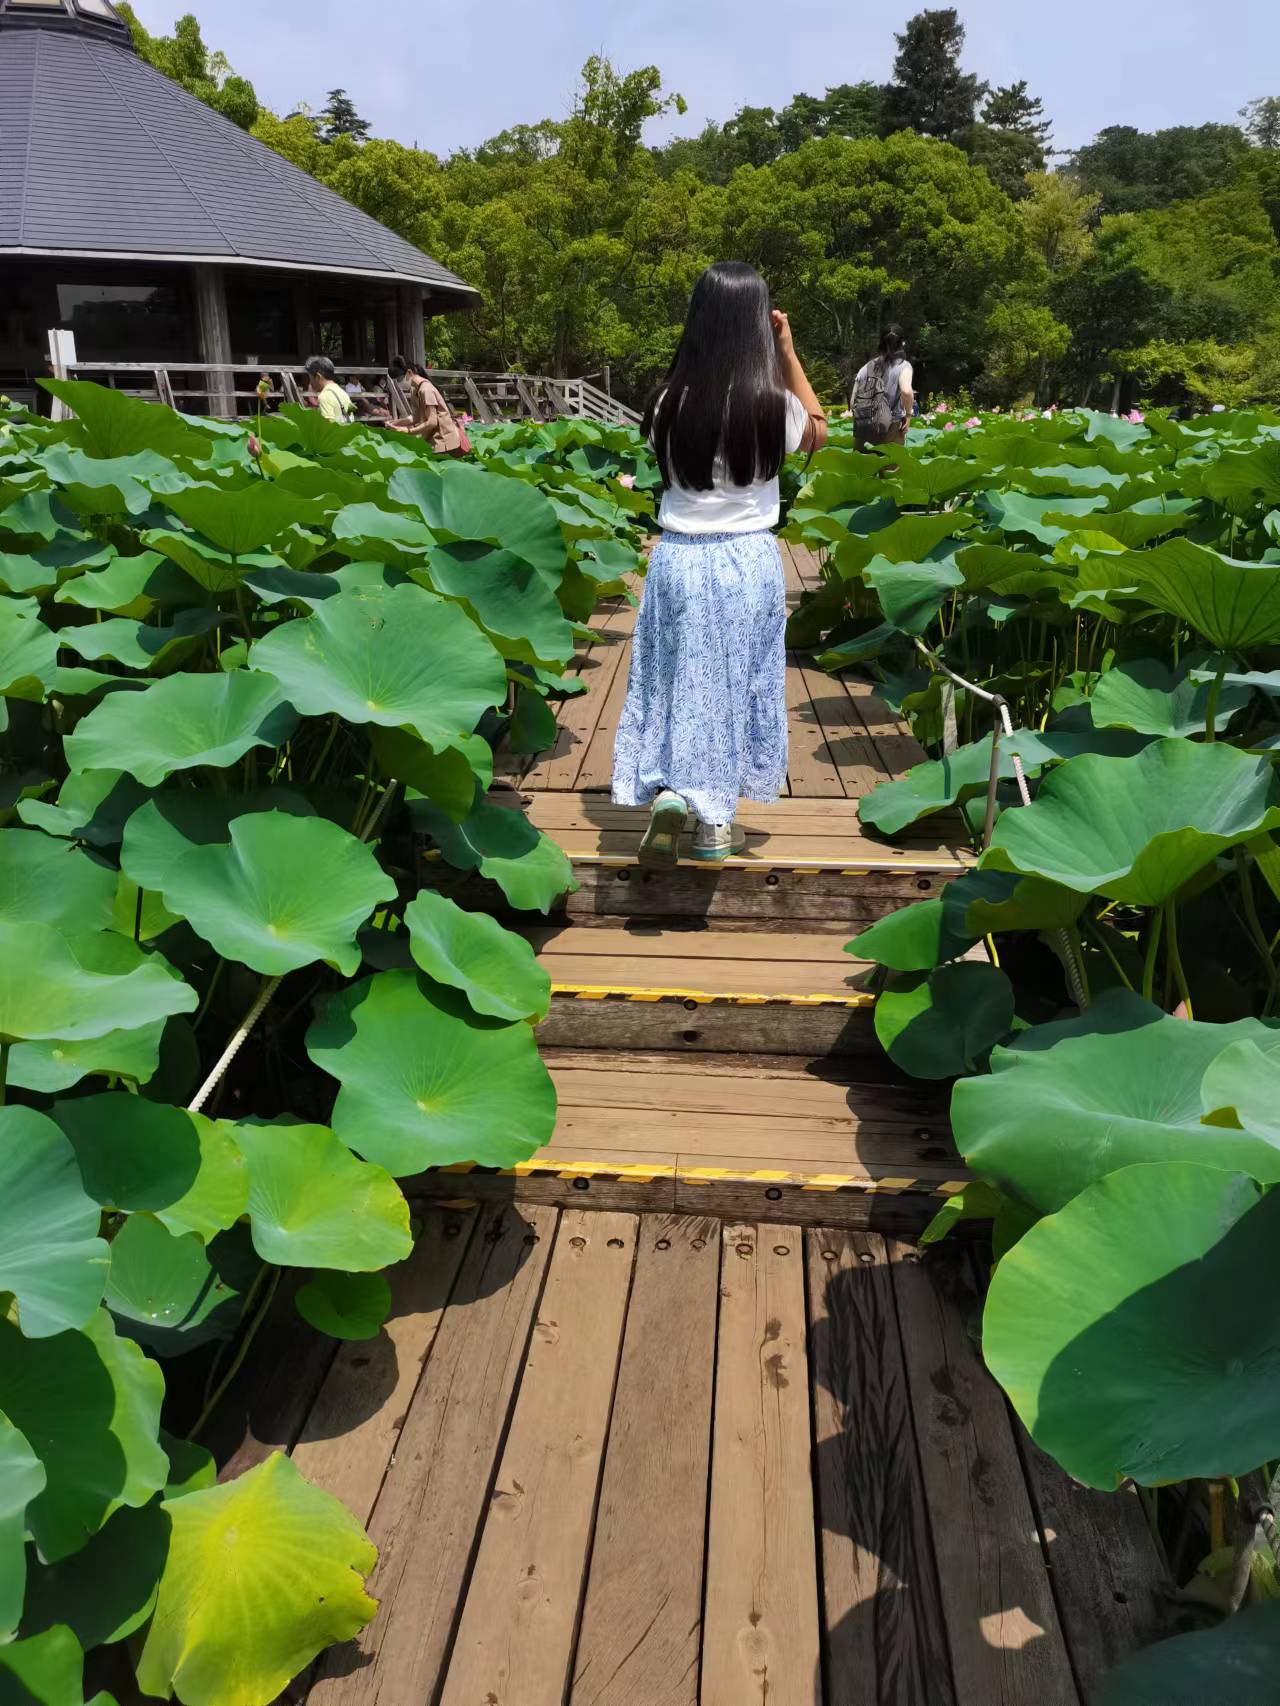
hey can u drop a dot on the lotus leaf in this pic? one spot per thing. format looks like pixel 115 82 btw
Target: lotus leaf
pixel 1240 1657
pixel 346 1306
pixel 109 423
pixel 425 1082
pixel 1235 605
pixel 1115 1326
pixel 89 1403
pixel 1146 695
pixel 286 892
pixel 507 596
pixel 1063 1108
pixel 399 656
pixel 939 1023
pixel 107 1589
pixel 1136 829
pixel 43 881
pixel 46 990
pixel 495 969
pixel 501 843
pixel 448 777
pixel 181 722
pixel 164 829
pixel 262 1573
pixel 45 1670
pixel 312 1204
pixel 1241 1087
pixel 92 805
pixel 164 1291
pixel 21 1478
pixel 141 645
pixel 461 502
pixel 242 521
pixel 51 1257
pixel 122 586
pixel 28 654
pixel 140 1155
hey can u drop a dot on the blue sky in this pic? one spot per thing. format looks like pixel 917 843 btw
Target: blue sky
pixel 446 75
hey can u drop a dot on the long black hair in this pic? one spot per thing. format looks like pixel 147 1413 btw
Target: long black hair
pixel 724 392
pixel 892 344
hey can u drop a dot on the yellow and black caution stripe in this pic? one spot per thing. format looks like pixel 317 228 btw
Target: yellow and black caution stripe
pixel 643 1173
pixel 707 997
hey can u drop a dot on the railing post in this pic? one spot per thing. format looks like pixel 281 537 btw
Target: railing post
pixel 993 778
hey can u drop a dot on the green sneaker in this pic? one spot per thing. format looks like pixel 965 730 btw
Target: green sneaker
pixel 661 845
pixel 714 842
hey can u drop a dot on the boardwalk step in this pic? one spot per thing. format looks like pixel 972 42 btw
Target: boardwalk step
pixel 684 987
pixel 768 1136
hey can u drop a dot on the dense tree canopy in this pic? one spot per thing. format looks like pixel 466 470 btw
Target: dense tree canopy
pixel 1148 262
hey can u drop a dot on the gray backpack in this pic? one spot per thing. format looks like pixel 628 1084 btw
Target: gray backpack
pixel 874 416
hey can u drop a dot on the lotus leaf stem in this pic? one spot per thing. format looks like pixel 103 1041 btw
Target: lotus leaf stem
pixel 1259 935
pixel 4 1069
pixel 1175 956
pixel 1153 944
pixel 1211 703
pixel 1099 935
pixel 237 1362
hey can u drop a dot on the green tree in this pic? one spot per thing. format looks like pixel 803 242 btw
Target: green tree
pixel 1262 121
pixel 1009 107
pixel 1058 215
pixel 929 92
pixel 1012 139
pixel 1134 171
pixel 851 110
pixel 340 118
pixel 184 57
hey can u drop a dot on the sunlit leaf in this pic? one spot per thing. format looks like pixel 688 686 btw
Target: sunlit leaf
pixel 51 1257
pixel 494 968
pixel 181 722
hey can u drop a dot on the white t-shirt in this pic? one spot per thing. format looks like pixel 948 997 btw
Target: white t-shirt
pixel 727 508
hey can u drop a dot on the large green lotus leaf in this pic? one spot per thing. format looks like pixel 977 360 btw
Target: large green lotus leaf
pixel 51 1257
pixel 139 1155
pixel 1235 605
pixel 307 430
pixel 397 657
pixel 533 726
pixel 1145 694
pixel 191 1467
pixel 1241 1087
pixel 122 586
pixel 167 827
pixel 88 685
pixel 458 501
pixel 384 536
pixel 1020 513
pixel 939 1023
pixel 1117 1330
pixel 449 778
pixel 494 968
pixel 28 655
pixel 938 783
pixel 109 423
pixel 142 645
pixel 1242 478
pixel 911 594
pixel 312 1204
pixel 1136 829
pixel 54 1064
pixel 285 892
pixel 92 806
pixel 915 938
pixel 107 1589
pixel 89 1403
pixel 1128 527
pixel 906 539
pixel 507 596
pixel 995 568
pixel 47 991
pixel 21 1478
pixel 500 842
pixel 242 520
pixel 181 722
pixel 105 485
pixel 1048 1121
pixel 1237 1661
pixel 45 881
pixel 39 571
pixel 425 1082
pixel 262 1574
pixel 346 1306
pixel 980 903
pixel 45 1670
pixel 208 565
pixel 165 1293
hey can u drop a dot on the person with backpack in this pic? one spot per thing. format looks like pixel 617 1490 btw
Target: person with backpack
pixel 432 418
pixel 705 718
pixel 883 401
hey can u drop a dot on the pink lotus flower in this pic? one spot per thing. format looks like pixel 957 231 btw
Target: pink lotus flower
pixel 973 421
pixel 1135 417
pixel 465 420
pixel 627 480
pixel 949 427
pixel 255 445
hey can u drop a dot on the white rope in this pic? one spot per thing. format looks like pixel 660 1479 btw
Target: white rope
pixel 233 1047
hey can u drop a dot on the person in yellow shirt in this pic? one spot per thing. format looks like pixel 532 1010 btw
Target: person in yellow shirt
pixel 331 400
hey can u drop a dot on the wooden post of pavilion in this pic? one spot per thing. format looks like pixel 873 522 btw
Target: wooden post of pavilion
pixel 215 336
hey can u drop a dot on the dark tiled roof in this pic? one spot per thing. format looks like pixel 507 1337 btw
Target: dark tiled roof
pixel 101 154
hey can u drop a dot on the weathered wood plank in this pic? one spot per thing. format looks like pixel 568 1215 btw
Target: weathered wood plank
pixel 852 750
pixel 351 1433
pixel 1113 1592
pixel 1006 1641
pixel 885 1639
pixel 811 770
pixel 819 900
pixel 434 1495
pixel 579 716
pixel 641 1623
pixel 516 1636
pixel 760 1642
pixel 685 1026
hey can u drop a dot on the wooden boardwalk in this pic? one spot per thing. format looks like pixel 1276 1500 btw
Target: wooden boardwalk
pixel 667 1460
pixel 675 1414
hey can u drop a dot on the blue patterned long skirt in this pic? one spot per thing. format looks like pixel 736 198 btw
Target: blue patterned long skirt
pixel 706 710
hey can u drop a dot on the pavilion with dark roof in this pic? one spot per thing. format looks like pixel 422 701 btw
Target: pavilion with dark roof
pixel 155 230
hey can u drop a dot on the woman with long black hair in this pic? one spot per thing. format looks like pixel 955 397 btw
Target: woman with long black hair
pixel 705 720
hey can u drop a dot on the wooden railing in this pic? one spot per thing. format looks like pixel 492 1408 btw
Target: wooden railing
pixel 231 393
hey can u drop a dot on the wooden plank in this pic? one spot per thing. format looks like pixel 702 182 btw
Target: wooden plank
pixel 579 716
pixel 807 566
pixel 852 750
pixel 687 1087
pixel 885 1639
pixel 597 763
pixel 576 810
pixel 435 1492
pixel 760 1640
pixel 717 979
pixel 768 1199
pixel 898 747
pixel 351 1433
pixel 515 1640
pixel 644 941
pixel 811 770
pixel 1002 1624
pixel 641 1621
pixel 773 1027
pixel 820 900
pixel 1113 1593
